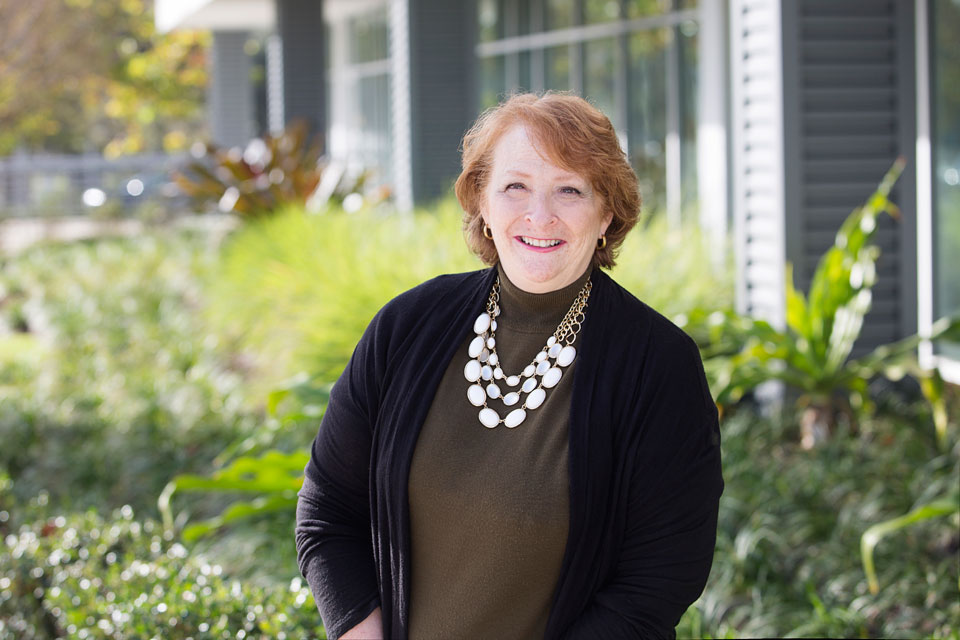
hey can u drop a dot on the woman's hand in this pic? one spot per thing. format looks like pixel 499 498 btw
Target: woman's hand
pixel 370 629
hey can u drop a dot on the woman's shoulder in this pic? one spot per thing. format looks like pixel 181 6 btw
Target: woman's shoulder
pixel 630 316
pixel 659 357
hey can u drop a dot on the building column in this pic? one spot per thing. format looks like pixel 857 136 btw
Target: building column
pixel 712 151
pixel 229 93
pixel 432 59
pixel 301 29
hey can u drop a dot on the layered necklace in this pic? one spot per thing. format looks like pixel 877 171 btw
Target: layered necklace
pixel 530 385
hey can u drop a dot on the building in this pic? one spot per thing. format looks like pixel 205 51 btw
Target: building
pixel 768 120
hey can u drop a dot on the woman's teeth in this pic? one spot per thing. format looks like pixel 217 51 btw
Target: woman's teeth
pixel 533 242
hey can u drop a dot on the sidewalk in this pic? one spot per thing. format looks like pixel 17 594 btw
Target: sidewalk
pixel 19 234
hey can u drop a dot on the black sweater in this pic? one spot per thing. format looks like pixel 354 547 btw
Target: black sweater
pixel 644 459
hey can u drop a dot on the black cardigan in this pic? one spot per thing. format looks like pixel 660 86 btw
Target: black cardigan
pixel 644 459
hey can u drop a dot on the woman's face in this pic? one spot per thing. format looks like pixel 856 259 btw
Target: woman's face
pixel 545 220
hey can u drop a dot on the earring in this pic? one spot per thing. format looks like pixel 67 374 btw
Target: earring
pixel 487 232
pixel 602 241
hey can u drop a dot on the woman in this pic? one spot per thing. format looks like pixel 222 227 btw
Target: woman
pixel 524 451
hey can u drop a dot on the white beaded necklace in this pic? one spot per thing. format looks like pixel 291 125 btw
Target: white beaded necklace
pixel 484 363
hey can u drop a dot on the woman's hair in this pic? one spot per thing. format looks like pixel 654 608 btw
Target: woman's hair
pixel 577 137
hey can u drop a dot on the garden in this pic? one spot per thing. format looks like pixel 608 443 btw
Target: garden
pixel 159 393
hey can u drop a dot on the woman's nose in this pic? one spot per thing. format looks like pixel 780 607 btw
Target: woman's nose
pixel 540 210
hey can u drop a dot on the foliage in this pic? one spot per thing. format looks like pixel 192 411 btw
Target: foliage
pixel 77 75
pixel 298 290
pixel 88 576
pixel 271 173
pixel 790 522
pixel 946 506
pixel 266 478
pixel 109 381
pixel 811 353
pixel 676 271
pixel 274 478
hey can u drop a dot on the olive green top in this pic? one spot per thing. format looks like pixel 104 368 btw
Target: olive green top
pixel 489 508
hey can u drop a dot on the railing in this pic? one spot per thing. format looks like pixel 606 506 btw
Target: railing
pixel 47 185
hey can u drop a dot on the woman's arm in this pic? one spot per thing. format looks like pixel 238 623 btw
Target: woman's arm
pixel 370 629
pixel 333 532
pixel 671 524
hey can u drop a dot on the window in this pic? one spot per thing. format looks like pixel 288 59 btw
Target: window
pixel 359 95
pixel 634 59
pixel 945 98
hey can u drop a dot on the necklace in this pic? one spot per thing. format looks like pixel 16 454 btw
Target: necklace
pixel 543 372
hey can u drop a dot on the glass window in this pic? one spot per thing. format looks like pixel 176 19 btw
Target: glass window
pixel 646 8
pixel 557 60
pixel 489 20
pixel 600 11
pixel 492 81
pixel 688 117
pixel 598 76
pixel 369 41
pixel 647 130
pixel 358 96
pixel 524 81
pixel 373 126
pixel 644 80
pixel 560 14
pixel 946 182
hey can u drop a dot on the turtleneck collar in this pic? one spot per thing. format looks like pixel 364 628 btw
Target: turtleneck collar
pixel 539 312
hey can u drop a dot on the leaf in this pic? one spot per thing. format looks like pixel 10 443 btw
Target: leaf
pixel 797 316
pixel 273 474
pixel 872 536
pixel 240 511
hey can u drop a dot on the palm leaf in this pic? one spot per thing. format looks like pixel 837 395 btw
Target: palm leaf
pixel 872 536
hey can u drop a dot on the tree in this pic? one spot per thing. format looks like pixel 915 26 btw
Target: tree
pixel 82 75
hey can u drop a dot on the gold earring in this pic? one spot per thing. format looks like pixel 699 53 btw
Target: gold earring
pixel 602 242
pixel 487 232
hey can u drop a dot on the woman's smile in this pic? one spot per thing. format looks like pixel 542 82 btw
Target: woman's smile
pixel 540 245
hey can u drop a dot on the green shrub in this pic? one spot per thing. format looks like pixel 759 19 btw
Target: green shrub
pixel 676 270
pixel 109 382
pixel 811 354
pixel 85 576
pixel 787 560
pixel 299 289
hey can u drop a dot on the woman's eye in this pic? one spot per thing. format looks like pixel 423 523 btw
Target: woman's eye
pixel 514 185
pixel 570 190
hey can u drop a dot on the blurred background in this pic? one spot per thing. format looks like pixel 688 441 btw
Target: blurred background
pixel 204 202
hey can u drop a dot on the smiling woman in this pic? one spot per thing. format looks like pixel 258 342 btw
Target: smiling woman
pixel 528 450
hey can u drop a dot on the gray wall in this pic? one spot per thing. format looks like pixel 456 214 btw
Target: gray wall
pixel 229 94
pixel 301 29
pixel 441 49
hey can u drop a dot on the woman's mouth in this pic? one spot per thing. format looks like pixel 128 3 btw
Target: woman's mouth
pixel 538 243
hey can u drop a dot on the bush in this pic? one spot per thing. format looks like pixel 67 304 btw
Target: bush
pixel 84 576
pixel 787 561
pixel 110 382
pixel 298 289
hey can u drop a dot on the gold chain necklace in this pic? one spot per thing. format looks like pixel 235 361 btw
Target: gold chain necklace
pixel 538 376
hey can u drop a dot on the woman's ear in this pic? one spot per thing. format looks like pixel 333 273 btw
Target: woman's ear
pixel 605 222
